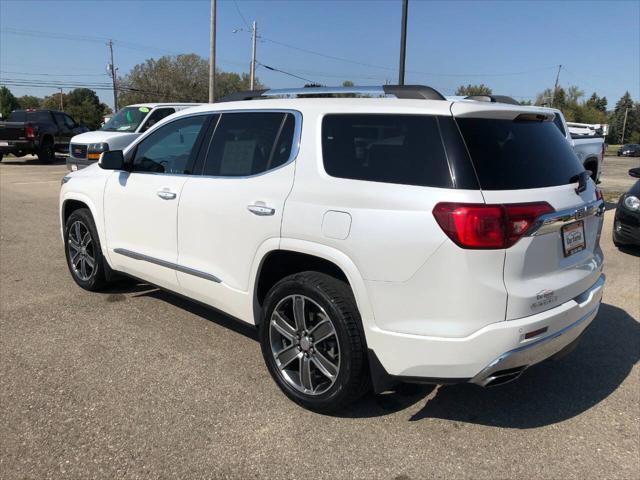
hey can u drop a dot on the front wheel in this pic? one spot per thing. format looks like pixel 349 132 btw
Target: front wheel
pixel 83 252
pixel 312 342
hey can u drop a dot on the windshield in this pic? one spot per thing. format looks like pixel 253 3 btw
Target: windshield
pixel 514 154
pixel 126 120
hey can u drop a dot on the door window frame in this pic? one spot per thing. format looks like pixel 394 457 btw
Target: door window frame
pixel 295 147
pixel 197 146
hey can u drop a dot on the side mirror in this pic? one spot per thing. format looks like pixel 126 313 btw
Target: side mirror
pixel 635 172
pixel 112 160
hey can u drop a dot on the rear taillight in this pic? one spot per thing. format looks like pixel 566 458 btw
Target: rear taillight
pixel 598 194
pixel 28 131
pixel 482 226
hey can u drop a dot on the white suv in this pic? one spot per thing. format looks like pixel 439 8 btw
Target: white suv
pixel 371 239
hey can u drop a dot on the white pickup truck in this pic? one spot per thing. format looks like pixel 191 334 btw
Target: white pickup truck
pixel 121 129
pixel 589 148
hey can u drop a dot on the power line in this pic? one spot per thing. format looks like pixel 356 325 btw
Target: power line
pixel 244 20
pixel 285 73
pixel 47 74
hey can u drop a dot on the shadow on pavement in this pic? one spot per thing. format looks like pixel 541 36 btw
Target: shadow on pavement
pixel 32 161
pixel 550 392
pixel 630 250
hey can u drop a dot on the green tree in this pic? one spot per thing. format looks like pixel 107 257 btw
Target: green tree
pixel 468 90
pixel 8 102
pixel 180 78
pixel 526 102
pixel 597 103
pixel 29 101
pixel 616 121
pixel 82 104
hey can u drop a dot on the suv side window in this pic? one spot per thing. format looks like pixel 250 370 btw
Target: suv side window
pixel 170 148
pixel 69 122
pixel 60 119
pixel 250 143
pixel 155 116
pixel 402 149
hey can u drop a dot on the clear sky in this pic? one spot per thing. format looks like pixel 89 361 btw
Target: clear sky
pixel 514 47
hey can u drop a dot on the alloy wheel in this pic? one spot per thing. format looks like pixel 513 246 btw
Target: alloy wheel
pixel 304 344
pixel 81 251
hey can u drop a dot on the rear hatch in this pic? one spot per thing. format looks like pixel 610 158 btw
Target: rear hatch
pixel 520 157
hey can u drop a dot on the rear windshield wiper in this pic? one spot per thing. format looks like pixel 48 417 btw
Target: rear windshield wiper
pixel 582 179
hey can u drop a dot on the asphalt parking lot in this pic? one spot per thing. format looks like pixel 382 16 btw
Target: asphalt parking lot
pixel 138 383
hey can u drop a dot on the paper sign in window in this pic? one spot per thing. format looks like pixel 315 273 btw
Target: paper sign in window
pixel 237 157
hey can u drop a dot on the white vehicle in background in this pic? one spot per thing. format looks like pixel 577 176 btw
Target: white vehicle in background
pixel 590 129
pixel 589 148
pixel 371 240
pixel 119 131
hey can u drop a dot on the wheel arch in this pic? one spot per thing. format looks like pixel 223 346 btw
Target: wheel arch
pixel 592 162
pixel 309 256
pixel 73 201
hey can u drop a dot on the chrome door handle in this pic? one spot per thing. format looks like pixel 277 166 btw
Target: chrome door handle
pixel 261 209
pixel 166 194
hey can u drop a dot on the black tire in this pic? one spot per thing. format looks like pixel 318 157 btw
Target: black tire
pixel 336 298
pixel 46 153
pixel 1 157
pixel 94 278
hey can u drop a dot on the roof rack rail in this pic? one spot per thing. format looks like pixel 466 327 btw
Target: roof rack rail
pixel 421 92
pixel 493 99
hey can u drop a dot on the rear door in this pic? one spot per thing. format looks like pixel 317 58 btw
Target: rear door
pixel 236 205
pixel 519 159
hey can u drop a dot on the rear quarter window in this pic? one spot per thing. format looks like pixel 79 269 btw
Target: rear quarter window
pixel 515 154
pixel 400 149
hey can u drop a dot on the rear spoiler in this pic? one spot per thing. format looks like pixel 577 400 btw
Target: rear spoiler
pixel 493 99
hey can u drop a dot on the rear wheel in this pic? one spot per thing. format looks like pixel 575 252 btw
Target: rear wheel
pixel 46 153
pixel 83 252
pixel 311 341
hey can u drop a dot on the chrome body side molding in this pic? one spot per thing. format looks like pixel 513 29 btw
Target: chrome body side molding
pixel 164 263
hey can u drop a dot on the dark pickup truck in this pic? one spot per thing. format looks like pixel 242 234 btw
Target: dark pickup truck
pixel 40 132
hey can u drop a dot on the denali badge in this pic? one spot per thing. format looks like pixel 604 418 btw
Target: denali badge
pixel 543 298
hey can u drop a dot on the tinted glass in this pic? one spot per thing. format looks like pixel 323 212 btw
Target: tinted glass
pixel 249 143
pixel 155 116
pixel 558 121
pixel 17 116
pixel 512 154
pixel 69 122
pixel 39 116
pixel 59 118
pixel 405 149
pixel 169 149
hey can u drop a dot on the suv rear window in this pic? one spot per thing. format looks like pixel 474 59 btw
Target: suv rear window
pixel 518 154
pixel 403 149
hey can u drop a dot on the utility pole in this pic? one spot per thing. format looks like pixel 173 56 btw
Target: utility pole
pixel 252 67
pixel 112 67
pixel 624 124
pixel 61 101
pixel 555 87
pixel 212 54
pixel 403 42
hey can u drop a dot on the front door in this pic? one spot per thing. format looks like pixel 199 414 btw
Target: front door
pixel 236 205
pixel 141 206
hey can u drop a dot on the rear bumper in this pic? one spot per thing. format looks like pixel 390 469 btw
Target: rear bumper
pixel 19 145
pixel 498 351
